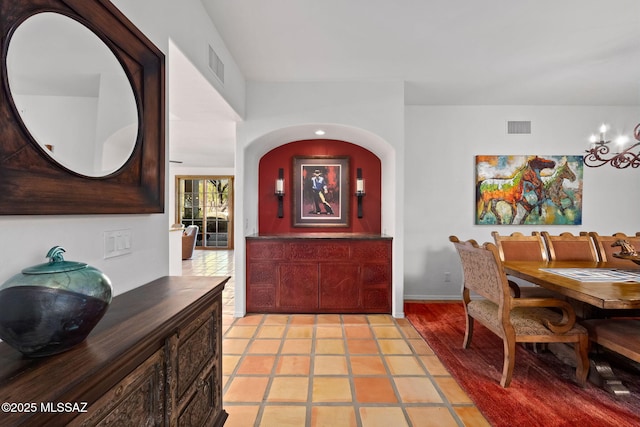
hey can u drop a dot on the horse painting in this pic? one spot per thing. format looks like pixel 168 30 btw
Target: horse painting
pixel 529 189
pixel 554 186
pixel 524 188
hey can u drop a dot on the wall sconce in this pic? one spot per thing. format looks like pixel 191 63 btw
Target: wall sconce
pixel 359 190
pixel 280 192
pixel 598 154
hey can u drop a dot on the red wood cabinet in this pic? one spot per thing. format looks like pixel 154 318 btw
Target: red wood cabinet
pixel 299 274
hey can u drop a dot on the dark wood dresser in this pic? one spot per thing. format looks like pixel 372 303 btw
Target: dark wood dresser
pixel 319 273
pixel 153 360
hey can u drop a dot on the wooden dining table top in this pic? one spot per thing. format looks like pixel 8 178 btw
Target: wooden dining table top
pixel 603 294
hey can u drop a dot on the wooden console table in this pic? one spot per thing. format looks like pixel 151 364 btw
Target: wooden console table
pixel 319 273
pixel 154 359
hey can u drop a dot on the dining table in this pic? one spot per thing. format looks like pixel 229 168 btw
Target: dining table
pixel 609 286
pixel 600 284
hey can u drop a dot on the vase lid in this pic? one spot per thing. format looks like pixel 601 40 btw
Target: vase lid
pixel 56 263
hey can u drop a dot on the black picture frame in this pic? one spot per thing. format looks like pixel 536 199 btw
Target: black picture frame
pixel 321 191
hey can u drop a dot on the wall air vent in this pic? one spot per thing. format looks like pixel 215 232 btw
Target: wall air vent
pixel 216 65
pixel 518 127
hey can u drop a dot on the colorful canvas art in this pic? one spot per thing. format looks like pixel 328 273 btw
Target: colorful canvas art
pixel 533 190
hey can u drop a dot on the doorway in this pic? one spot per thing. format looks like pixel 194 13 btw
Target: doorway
pixel 207 201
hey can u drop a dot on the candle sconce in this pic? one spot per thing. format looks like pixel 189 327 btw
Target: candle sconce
pixel 359 190
pixel 280 192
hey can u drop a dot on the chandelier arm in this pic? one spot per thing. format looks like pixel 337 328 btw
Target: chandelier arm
pixel 597 156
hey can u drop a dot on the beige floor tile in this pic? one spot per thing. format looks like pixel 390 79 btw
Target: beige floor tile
pixel 293 365
pixel 434 366
pixel 261 346
pixel 358 331
pixel 304 331
pixel 367 365
pixel 302 319
pixel 234 345
pixel 354 319
pixel 383 417
pixel 329 346
pixel 420 347
pixel 404 365
pixel 283 416
pixel 374 390
pixel 288 389
pixel 394 347
pixel 229 364
pixel 452 391
pixel 270 331
pixel 246 389
pixel 471 416
pixel 329 332
pixel 386 332
pixel 333 416
pixel 249 319
pixel 362 347
pixel 437 416
pixel 331 389
pixel 225 380
pixel 330 365
pixel 241 415
pixel 241 332
pixel 256 365
pixel 417 390
pixel 276 319
pixel 328 319
pixel 380 319
pixel 298 346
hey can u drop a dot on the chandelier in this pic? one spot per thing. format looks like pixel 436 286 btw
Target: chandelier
pixel 600 152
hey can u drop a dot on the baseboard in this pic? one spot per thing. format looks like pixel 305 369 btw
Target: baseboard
pixel 432 298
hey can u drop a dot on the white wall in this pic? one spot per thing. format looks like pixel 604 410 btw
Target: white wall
pixel 441 142
pixel 370 114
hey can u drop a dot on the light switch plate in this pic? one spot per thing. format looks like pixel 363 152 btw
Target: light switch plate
pixel 117 243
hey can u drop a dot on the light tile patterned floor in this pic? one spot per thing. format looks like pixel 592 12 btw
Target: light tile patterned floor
pixel 329 369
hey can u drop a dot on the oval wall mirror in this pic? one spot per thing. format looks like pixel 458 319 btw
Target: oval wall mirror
pixel 72 94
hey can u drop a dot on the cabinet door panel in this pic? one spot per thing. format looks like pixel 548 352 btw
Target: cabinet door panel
pixel 298 286
pixel 195 351
pixel 137 400
pixel 339 286
pixel 203 403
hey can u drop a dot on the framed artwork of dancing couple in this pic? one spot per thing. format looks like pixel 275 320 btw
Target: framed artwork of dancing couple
pixel 531 190
pixel 321 188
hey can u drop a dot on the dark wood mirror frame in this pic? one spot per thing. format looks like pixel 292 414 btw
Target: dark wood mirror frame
pixel 31 183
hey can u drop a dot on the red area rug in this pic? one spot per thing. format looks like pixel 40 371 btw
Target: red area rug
pixel 542 392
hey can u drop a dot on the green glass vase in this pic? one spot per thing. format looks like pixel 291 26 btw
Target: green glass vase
pixel 51 307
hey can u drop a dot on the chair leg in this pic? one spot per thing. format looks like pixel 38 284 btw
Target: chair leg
pixel 581 349
pixel 509 361
pixel 468 334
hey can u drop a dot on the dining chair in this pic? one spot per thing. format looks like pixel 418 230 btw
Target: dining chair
pixel 605 249
pixel 519 247
pixel 514 319
pixel 567 247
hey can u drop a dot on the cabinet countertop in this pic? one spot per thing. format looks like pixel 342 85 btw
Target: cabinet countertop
pixel 320 236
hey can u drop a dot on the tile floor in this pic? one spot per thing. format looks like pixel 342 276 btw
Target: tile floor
pixel 328 369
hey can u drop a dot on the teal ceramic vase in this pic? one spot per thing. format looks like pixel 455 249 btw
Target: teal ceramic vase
pixel 51 307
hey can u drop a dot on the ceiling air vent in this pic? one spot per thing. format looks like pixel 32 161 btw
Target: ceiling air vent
pixel 518 127
pixel 216 65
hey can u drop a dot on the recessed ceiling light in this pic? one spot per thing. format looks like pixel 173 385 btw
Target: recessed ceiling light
pixel 319 132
